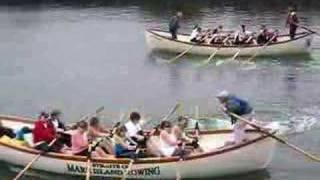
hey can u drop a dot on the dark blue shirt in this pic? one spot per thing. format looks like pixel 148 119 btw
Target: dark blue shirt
pixel 237 106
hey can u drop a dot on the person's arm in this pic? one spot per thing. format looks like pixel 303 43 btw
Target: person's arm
pixel 166 137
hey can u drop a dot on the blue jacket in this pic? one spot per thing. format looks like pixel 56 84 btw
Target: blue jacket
pixel 237 106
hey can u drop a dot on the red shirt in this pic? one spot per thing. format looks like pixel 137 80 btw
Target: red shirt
pixel 43 131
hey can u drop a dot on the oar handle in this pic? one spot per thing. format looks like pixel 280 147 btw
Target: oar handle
pixel 21 173
pixel 297 149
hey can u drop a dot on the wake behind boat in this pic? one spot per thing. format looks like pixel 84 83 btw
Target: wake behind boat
pixel 216 160
pixel 159 40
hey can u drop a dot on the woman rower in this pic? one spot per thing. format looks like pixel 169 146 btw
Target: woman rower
pixel 122 147
pixel 169 144
pixel 79 140
pixel 100 138
pixel 191 141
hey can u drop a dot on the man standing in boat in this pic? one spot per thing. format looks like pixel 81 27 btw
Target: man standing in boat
pixel 240 107
pixel 174 24
pixel 292 22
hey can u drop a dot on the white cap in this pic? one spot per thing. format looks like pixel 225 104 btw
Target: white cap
pixel 223 94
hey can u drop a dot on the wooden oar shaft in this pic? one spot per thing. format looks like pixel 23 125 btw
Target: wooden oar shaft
pixel 308 29
pixel 171 112
pixel 181 54
pixel 263 47
pixel 294 147
pixel 89 163
pixel 21 173
pixel 125 174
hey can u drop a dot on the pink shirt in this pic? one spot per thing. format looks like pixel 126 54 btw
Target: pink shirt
pixel 79 142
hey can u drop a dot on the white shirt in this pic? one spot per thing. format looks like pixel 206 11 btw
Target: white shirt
pixel 194 34
pixel 165 148
pixel 132 129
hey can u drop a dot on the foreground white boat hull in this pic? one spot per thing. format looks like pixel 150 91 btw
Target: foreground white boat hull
pixel 253 155
pixel 160 41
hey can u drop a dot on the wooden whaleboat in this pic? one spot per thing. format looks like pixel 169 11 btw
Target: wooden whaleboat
pixel 254 154
pixel 159 40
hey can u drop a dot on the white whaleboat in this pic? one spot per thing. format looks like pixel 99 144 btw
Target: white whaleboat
pixel 159 40
pixel 254 154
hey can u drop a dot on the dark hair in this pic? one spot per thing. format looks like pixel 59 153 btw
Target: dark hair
pixel 94 121
pixel 82 124
pixel 121 129
pixel 165 124
pixel 43 114
pixel 55 113
pixel 135 116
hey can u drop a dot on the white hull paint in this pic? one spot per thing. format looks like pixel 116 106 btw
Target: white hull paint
pixel 253 155
pixel 160 41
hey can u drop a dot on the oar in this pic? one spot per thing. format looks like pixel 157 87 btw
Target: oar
pixel 260 49
pixel 85 117
pixel 88 173
pixel 308 29
pixel 207 61
pixel 297 149
pixel 125 174
pixel 181 54
pixel 171 112
pixel 33 160
pixel 218 63
pixel 89 163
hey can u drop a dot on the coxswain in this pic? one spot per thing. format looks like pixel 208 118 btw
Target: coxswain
pixel 292 22
pixel 174 24
pixel 240 107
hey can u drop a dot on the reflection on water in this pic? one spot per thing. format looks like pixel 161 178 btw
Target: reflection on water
pixel 78 55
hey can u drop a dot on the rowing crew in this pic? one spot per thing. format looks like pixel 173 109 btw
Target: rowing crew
pixel 240 37
pixel 165 140
pixel 122 140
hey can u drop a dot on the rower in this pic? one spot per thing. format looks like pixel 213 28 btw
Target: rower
pixel 243 36
pixel 80 143
pixel 134 130
pixel 99 136
pixel 262 36
pixel 292 22
pixel 4 131
pixel 174 25
pixel 194 37
pixel 122 148
pixel 191 141
pixel 169 144
pixel 240 107
pixel 55 118
pixel 44 133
